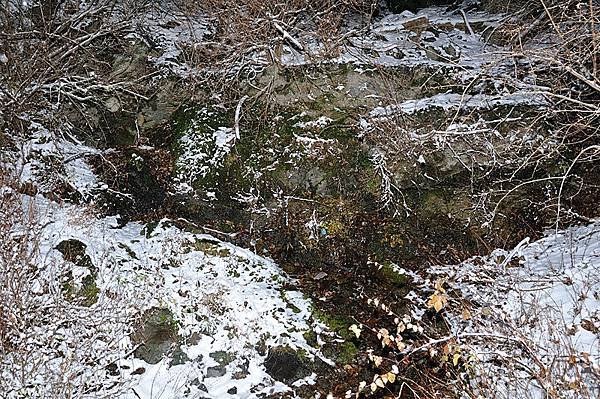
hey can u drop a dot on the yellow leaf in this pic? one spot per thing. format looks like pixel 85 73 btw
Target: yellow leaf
pixel 355 329
pixel 377 360
pixel 466 315
pixel 379 382
pixel 437 301
pixel 373 387
pixel 455 359
pixel 401 327
pixel 384 378
pixel 391 377
pixel 437 304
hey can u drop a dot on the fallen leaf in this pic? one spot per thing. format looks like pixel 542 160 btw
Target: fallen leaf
pixel 356 330
pixel 391 377
pixel 466 315
pixel 455 359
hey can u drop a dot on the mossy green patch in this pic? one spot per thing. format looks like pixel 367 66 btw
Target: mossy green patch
pixel 336 323
pixel 87 294
pixel 388 272
pixel 223 358
pixel 311 338
pixel 346 352
pixel 89 291
pixel 211 248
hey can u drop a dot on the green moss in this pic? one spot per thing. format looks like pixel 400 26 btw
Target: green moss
pixel 289 304
pixel 211 248
pixel 232 272
pixel 223 358
pixel 87 295
pixel 75 251
pixel 311 338
pixel 392 276
pixel 89 291
pixel 68 289
pixel 346 352
pixel 164 320
pixel 334 228
pixel 337 323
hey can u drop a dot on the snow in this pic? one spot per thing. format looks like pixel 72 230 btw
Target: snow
pixel 319 123
pixel 229 298
pixel 43 149
pixel 169 30
pixel 202 148
pixel 450 101
pixel 545 295
pixel 391 41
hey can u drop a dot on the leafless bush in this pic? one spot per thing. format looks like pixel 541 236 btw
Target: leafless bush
pixel 51 346
pixel 542 154
pixel 248 28
pixel 55 60
pixel 244 24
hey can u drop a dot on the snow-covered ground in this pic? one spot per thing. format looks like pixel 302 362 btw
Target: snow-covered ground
pixel 530 317
pixel 223 299
pixel 226 305
pixel 433 36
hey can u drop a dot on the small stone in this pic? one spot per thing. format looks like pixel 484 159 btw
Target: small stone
pixel 112 104
pixel 284 364
pixel 156 334
pixel 196 382
pixel 138 371
pixel 232 391
pixel 320 276
pixel 416 24
pixel 215 372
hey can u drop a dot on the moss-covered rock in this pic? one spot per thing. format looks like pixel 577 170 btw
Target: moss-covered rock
pixel 156 335
pixel 285 364
pixel 84 292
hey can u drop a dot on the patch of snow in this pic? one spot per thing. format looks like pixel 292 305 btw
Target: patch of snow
pixel 451 101
pixel 319 123
pixel 545 297
pixel 223 298
pixel 169 30
pixel 441 40
pixel 202 148
pixel 46 159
